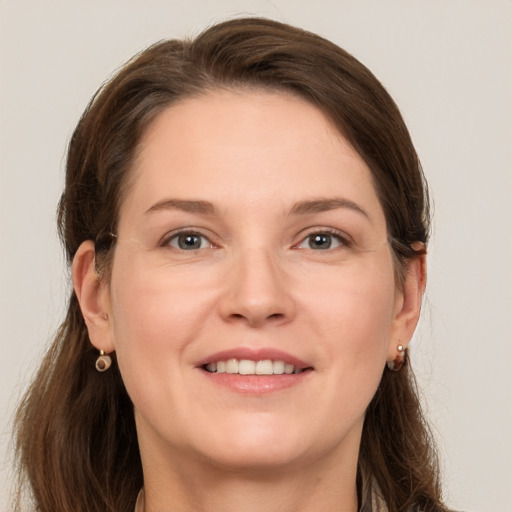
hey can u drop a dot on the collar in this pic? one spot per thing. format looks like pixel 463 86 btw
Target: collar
pixel 139 504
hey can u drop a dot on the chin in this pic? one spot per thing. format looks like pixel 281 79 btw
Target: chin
pixel 273 443
pixel 253 446
pixel 254 459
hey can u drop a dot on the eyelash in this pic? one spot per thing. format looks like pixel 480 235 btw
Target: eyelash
pixel 343 239
pixel 166 241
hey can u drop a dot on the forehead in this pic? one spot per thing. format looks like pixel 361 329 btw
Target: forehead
pixel 246 144
pixel 249 117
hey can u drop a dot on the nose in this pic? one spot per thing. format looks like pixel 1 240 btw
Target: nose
pixel 258 291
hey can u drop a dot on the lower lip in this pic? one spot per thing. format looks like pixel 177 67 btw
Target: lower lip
pixel 256 384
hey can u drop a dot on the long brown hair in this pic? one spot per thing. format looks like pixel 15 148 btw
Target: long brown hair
pixel 75 434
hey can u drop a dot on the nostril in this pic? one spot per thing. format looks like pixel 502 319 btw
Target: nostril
pixel 256 304
pixel 255 319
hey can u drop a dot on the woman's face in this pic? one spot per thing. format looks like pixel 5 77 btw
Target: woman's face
pixel 251 241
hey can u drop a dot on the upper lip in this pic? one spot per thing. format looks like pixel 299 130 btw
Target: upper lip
pixel 254 354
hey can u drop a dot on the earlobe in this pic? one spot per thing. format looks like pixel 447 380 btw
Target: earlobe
pixel 408 306
pixel 93 296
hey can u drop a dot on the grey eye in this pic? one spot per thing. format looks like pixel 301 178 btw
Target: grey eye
pixel 189 241
pixel 320 241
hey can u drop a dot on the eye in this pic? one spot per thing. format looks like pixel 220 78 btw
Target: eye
pixel 322 241
pixel 187 241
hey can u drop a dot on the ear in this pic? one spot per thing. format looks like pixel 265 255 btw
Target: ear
pixel 93 295
pixel 408 305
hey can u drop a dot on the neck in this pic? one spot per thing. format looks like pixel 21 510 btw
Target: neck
pixel 314 487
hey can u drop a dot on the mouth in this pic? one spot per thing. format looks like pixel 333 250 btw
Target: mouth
pixel 254 371
pixel 251 367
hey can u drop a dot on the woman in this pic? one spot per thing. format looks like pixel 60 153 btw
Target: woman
pixel 246 220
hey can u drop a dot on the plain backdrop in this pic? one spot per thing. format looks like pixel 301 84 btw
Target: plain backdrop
pixel 448 64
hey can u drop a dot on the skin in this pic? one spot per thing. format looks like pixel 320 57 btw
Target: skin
pixel 256 281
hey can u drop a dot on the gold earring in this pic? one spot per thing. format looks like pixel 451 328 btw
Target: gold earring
pixel 103 362
pixel 399 360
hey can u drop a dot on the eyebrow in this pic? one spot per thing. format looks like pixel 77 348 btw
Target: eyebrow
pixel 201 207
pixel 300 208
pixel 325 205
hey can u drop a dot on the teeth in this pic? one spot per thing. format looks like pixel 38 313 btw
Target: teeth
pixel 288 368
pixel 248 367
pixel 278 367
pixel 231 366
pixel 265 367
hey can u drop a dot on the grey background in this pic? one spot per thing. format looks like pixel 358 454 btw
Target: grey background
pixel 448 65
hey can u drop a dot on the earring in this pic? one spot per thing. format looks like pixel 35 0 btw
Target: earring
pixel 103 362
pixel 399 360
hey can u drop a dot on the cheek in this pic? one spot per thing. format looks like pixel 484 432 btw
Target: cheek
pixel 154 326
pixel 354 307
pixel 152 319
pixel 354 320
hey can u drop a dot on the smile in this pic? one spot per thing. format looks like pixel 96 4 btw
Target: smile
pixel 255 371
pixel 249 367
